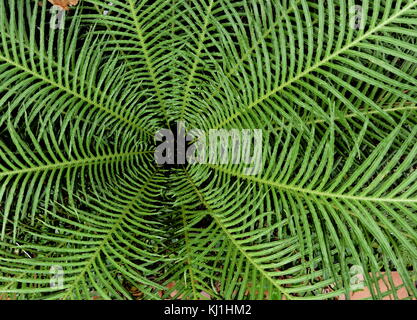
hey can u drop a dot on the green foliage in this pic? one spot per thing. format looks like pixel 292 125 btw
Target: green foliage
pixel 79 187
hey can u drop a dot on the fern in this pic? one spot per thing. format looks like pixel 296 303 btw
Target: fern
pixel 80 190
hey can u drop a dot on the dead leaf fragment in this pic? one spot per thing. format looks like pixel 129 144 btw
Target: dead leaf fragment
pixel 64 4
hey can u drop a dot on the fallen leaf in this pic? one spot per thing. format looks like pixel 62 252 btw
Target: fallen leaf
pixel 64 4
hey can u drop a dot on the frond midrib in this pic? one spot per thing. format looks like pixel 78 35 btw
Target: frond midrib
pixel 188 250
pixel 201 40
pixel 100 246
pixel 231 239
pixel 148 61
pixel 314 67
pixel 75 94
pixel 306 191
pixel 56 64
pixel 247 53
pixel 74 163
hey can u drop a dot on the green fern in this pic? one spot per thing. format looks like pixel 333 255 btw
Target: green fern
pixel 80 189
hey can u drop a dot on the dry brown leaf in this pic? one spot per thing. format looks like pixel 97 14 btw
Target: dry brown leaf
pixel 64 4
